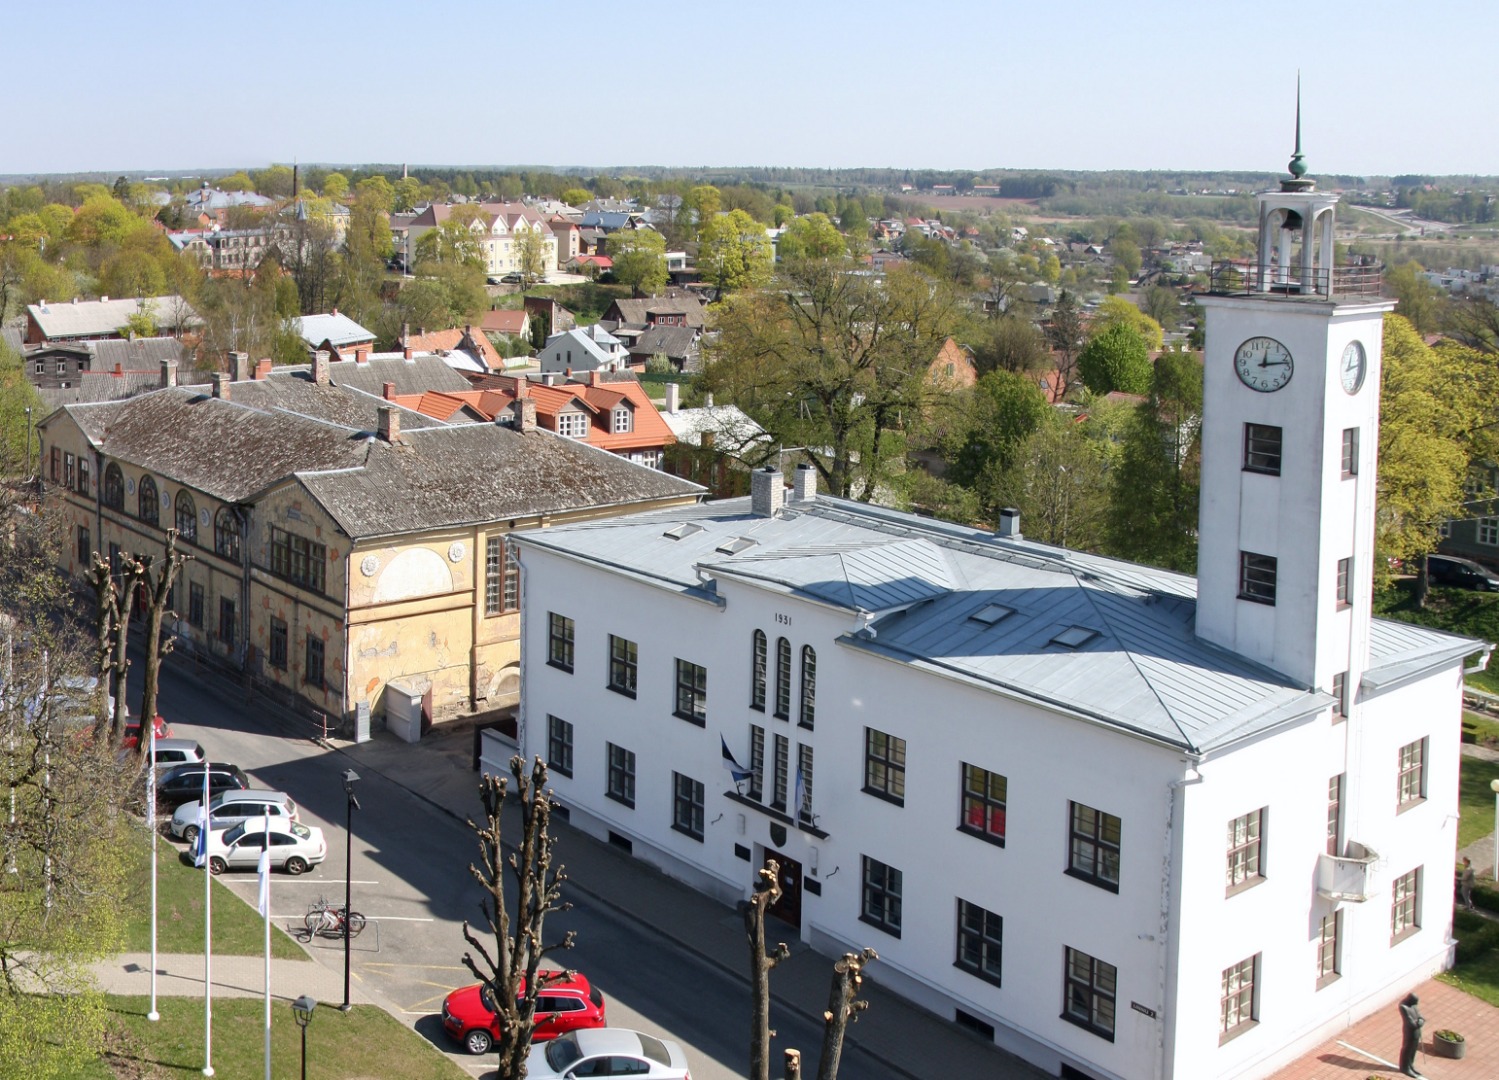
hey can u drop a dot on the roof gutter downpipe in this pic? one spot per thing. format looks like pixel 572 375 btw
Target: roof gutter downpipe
pixel 1168 943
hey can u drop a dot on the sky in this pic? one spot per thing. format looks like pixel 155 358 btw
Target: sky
pixel 1387 87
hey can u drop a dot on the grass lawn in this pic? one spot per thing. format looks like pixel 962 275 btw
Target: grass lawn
pixel 1477 968
pixel 1457 611
pixel 364 1043
pixel 1480 729
pixel 587 301
pixel 1475 800
pixel 238 929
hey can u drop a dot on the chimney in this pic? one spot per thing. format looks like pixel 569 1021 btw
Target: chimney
pixel 706 439
pixel 767 492
pixel 320 373
pixel 673 397
pixel 388 390
pixel 405 332
pixel 119 371
pixel 1009 523
pixel 523 414
pixel 239 366
pixel 708 400
pixel 804 483
pixel 262 368
pixel 389 424
pixel 362 355
pixel 169 373
pixel 522 388
pixel 595 377
pixel 221 385
pixel 406 352
pixel 335 311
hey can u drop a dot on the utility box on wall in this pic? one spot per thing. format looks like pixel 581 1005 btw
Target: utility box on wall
pixel 403 711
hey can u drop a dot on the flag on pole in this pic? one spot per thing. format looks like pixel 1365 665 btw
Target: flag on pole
pixel 263 904
pixel 200 843
pixel 736 770
pixel 799 793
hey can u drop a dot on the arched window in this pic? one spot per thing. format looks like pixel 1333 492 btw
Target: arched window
pixel 187 517
pixel 149 505
pixel 112 491
pixel 757 672
pixel 226 534
pixel 783 678
pixel 809 687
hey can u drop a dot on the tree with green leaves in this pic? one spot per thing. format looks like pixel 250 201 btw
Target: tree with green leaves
pixel 735 252
pixel 1421 303
pixel 1064 332
pixel 530 250
pixel 1162 304
pixel 811 237
pixel 1009 343
pixel 639 257
pixel 1006 409
pixel 1116 310
pixel 577 196
pixel 335 185
pixel 1115 358
pixel 1058 480
pixel 16 433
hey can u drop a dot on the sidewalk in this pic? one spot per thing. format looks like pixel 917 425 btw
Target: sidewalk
pixel 181 975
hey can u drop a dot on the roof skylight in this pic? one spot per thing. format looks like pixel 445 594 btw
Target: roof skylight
pixel 682 531
pixel 1075 637
pixel 990 614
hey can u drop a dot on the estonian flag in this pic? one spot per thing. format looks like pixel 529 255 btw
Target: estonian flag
pixel 799 793
pixel 736 770
pixel 200 845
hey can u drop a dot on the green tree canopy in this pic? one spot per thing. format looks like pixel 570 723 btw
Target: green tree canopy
pixel 101 220
pixel 577 196
pixel 735 252
pixel 335 185
pixel 1007 408
pixel 1115 359
pixel 1116 309
pixel 811 237
pixel 639 257
pixel 1421 303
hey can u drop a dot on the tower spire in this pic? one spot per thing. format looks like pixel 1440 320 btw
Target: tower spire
pixel 1297 167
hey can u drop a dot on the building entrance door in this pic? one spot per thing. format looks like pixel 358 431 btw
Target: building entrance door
pixel 789 907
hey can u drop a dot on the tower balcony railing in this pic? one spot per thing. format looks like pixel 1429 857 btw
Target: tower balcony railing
pixel 1235 277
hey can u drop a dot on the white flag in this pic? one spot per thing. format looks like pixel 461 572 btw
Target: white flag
pixel 200 846
pixel 263 904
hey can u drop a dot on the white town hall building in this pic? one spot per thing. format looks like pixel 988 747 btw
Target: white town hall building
pixel 1128 823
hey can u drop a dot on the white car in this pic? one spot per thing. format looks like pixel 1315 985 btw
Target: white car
pixel 229 808
pixel 294 847
pixel 607 1052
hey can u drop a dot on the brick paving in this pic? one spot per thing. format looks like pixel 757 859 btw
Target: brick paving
pixel 1443 1007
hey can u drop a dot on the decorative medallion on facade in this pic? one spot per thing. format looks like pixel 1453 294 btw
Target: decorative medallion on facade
pixel 368 565
pixel 455 552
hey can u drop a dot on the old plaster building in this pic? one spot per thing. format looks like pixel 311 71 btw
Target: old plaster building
pixel 1129 824
pixel 339 543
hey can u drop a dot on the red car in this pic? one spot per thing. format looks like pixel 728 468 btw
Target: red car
pixel 566 1005
pixel 133 731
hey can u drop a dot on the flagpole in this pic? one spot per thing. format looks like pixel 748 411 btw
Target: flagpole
pixel 265 909
pixel 207 931
pixel 153 1015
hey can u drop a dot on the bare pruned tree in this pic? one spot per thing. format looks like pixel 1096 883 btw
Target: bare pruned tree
pixel 156 582
pixel 844 1007
pixel 113 582
pixel 766 892
pixel 510 966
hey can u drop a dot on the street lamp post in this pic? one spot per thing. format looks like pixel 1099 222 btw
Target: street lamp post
pixel 350 779
pixel 1494 787
pixel 302 1010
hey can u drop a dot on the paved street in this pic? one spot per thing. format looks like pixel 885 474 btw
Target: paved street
pixel 410 857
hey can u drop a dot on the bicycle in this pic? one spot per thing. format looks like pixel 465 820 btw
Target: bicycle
pixel 328 921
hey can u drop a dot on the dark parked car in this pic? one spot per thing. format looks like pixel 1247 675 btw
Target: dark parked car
pixel 1461 573
pixel 185 783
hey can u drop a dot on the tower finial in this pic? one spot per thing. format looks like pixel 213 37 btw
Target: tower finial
pixel 1298 164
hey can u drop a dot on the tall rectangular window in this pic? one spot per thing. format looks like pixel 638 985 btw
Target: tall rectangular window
pixel 1345 582
pixel 195 605
pixel 85 546
pixel 687 806
pixel 1405 906
pixel 692 692
pixel 226 621
pixel 83 485
pixel 510 593
pixel 1256 577
pixel 1340 692
pixel 802 789
pixel 1091 989
pixel 1094 846
pixel 1350 452
pixel 621 778
pixel 56 464
pixel 808 716
pixel 1412 783
pixel 984 799
pixel 1335 815
pixel 1328 961
pixel 885 766
pixel 278 648
pixel 881 905
pixel 559 745
pixel 782 763
pixel 297 559
pixel 783 679
pixel 757 763
pixel 1488 531
pixel 1238 1009
pixel 559 641
pixel 69 472
pixel 1262 449
pixel 1245 837
pixel 494 573
pixel 313 675
pixel 758 649
pixel 980 942
pixel 623 665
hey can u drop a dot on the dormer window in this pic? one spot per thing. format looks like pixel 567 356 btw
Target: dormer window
pixel 622 420
pixel 574 425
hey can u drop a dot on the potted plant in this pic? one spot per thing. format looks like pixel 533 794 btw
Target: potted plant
pixel 1449 1044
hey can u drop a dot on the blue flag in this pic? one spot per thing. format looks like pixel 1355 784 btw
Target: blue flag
pixel 736 770
pixel 200 845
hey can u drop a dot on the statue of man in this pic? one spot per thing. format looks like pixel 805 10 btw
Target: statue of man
pixel 1411 1023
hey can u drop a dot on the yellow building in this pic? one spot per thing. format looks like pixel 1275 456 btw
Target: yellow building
pixel 338 543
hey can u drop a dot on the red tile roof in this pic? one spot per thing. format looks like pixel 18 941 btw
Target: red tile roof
pixel 493 394
pixel 504 321
pixel 454 339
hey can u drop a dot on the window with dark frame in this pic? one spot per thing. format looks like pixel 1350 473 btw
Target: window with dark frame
pixel 185 514
pixel 687 806
pixel 85 546
pixel 1093 846
pixel 980 942
pixel 1091 987
pixel 1345 582
pixel 783 679
pixel 298 560
pixel 808 716
pixel 623 665
pixel 510 595
pixel 1256 577
pixel 56 464
pixel 148 501
pixel 226 620
pixel 83 484
pixel 692 692
pixel 559 641
pixel 195 605
pixel 757 763
pixel 112 490
pixel 782 761
pixel 1262 443
pixel 984 803
pixel 758 651
pixel 494 555
pixel 313 674
pixel 1238 1009
pixel 1328 961
pixel 1350 452
pixel 885 766
pixel 69 472
pixel 1405 906
pixel 278 641
pixel 1340 692
pixel 802 791
pixel 226 534
pixel 559 745
pixel 1245 850
pixel 1412 781
pixel 881 907
pixel 621 776
pixel 1335 815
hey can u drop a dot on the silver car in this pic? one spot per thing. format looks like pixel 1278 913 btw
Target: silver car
pixel 229 808
pixel 294 847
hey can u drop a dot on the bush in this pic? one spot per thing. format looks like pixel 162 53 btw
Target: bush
pixel 658 364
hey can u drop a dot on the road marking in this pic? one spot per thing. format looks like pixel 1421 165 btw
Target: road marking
pixel 425 967
pixel 290 881
pixel 1371 1057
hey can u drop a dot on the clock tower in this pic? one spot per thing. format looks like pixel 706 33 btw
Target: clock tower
pixel 1289 438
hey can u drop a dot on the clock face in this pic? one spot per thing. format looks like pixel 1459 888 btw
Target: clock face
pixel 1354 367
pixel 1263 364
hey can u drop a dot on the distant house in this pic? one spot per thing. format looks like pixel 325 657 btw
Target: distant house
pixel 716 445
pixel 681 309
pixel 463 348
pixel 582 264
pixel 679 344
pixel 584 348
pixel 63 365
pixel 512 322
pixel 98 320
pixel 340 336
pixel 214 205
pixel 554 318
pixel 953 368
